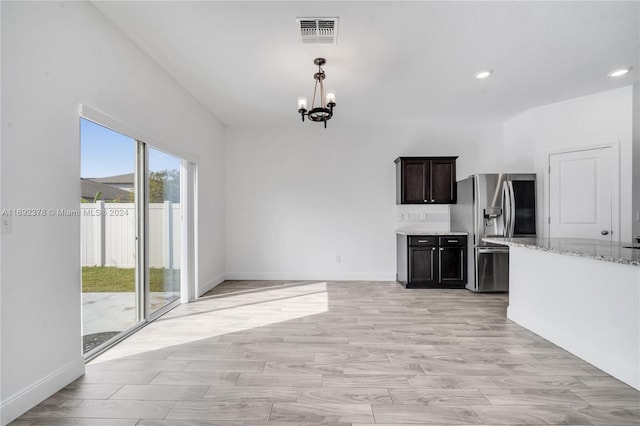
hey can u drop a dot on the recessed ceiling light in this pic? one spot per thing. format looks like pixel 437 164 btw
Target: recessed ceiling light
pixel 619 72
pixel 483 74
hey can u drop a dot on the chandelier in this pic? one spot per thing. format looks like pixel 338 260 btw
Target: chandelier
pixel 324 111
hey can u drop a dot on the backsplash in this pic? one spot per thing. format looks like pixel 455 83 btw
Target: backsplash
pixel 430 217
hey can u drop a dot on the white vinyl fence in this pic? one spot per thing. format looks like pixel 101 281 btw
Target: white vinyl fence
pixel 108 235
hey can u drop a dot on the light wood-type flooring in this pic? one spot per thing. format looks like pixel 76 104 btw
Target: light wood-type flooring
pixel 338 353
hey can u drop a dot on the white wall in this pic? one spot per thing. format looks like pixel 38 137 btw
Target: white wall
pixel 596 119
pixel 298 197
pixel 56 56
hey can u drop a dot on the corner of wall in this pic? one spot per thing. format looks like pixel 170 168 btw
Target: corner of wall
pixel 635 187
pixel 517 143
pixel 208 286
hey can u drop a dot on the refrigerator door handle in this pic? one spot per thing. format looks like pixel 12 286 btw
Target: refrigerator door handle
pixel 512 207
pixel 506 210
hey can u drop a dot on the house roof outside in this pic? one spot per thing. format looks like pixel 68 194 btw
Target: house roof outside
pixel 127 178
pixel 89 188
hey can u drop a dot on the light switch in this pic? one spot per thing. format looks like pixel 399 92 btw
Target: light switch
pixel 6 225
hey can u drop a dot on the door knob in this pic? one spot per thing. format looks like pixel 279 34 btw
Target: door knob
pixel 605 232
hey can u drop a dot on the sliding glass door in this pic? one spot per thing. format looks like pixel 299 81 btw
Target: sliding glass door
pixel 163 180
pixel 131 225
pixel 108 235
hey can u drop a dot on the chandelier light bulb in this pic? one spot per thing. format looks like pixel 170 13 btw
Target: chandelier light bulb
pixel 302 103
pixel 331 97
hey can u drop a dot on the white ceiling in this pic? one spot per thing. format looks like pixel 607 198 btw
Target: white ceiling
pixel 395 62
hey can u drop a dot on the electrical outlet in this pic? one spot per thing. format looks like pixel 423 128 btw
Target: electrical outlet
pixel 338 258
pixel 6 225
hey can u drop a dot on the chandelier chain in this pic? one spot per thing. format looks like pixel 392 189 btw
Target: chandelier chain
pixel 315 88
pixel 322 104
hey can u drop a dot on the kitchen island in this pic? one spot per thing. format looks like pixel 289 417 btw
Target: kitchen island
pixel 583 295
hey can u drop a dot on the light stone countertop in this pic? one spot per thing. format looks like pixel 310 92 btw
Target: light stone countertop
pixel 581 247
pixel 419 233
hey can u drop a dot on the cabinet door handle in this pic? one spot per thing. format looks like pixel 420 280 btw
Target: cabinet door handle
pixel 423 241
pixel 452 241
pixel 433 248
pixel 432 200
pixel 441 248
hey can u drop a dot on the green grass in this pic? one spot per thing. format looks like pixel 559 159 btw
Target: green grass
pixel 96 279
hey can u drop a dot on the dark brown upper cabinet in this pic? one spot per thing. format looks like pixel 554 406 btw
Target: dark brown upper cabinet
pixel 426 180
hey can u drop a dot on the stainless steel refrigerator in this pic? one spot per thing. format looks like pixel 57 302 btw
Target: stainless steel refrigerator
pixel 493 205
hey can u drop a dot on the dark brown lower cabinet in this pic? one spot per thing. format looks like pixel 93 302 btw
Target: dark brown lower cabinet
pixel 451 265
pixel 422 265
pixel 432 261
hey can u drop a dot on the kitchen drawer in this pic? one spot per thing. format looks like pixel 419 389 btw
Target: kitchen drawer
pixel 454 240
pixel 422 241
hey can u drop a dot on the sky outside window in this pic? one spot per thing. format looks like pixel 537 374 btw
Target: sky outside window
pixel 105 152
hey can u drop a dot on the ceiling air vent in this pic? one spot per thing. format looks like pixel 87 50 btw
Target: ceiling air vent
pixel 318 30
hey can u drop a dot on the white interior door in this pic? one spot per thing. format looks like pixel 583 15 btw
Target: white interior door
pixel 581 192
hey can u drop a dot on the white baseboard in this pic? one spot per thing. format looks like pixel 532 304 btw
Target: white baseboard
pixel 22 401
pixel 304 276
pixel 203 288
